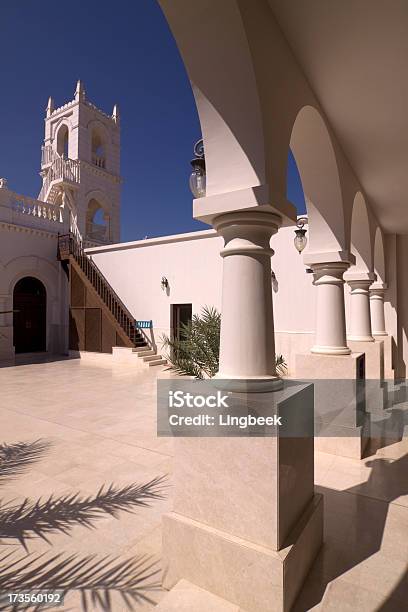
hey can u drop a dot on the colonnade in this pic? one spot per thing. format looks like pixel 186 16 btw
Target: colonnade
pixel 247 332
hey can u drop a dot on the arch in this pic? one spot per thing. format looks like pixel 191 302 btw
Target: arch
pixel 379 256
pixel 219 64
pixel 30 316
pixel 97 221
pixel 63 140
pixel 312 148
pixel 99 138
pixel 360 235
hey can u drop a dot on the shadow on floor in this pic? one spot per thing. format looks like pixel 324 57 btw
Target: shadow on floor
pixel 355 532
pixel 95 578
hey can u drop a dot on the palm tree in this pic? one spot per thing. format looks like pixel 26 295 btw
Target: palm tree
pixel 196 352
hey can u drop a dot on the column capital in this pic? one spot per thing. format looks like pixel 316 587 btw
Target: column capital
pixel 247 232
pixel 378 287
pixel 356 277
pixel 329 257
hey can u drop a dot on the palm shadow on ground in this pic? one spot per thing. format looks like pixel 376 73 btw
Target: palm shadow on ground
pixel 96 578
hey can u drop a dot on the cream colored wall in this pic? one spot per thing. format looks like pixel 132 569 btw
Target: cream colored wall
pixel 29 252
pixel 193 267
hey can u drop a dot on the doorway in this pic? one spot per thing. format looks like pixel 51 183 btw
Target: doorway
pixel 30 318
pixel 180 314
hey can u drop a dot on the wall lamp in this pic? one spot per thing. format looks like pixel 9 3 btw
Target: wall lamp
pixel 164 283
pixel 300 240
pixel 198 175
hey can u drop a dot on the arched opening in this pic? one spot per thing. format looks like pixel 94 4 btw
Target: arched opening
pixel 312 148
pixel 98 150
pixel 379 257
pixel 30 318
pixel 360 236
pixel 97 222
pixel 63 141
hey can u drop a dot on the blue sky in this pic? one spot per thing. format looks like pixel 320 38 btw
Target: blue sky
pixel 125 53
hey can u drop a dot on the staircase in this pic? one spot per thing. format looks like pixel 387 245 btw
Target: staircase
pixel 61 171
pixel 129 330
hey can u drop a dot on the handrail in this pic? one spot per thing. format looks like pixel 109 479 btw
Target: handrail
pixel 69 245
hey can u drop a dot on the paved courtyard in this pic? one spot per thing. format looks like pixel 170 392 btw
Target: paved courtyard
pixel 97 426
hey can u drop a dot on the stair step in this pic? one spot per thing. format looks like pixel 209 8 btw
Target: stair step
pixel 142 350
pixel 151 357
pixel 157 362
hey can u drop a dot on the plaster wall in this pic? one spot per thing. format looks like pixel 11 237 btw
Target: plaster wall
pixel 30 252
pixel 193 267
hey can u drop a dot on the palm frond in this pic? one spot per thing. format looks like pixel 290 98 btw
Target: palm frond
pixel 197 352
pixel 16 458
pixel 95 578
pixel 30 519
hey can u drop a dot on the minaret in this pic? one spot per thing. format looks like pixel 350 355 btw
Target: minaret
pixel 81 160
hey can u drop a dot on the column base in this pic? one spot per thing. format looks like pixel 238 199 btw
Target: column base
pixel 247 384
pixel 330 350
pixel 360 339
pixel 254 577
pixel 379 333
pixel 341 422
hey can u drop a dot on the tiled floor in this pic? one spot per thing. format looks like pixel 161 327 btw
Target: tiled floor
pixel 99 423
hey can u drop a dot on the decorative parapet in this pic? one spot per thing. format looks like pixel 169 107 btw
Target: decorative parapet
pixel 24 211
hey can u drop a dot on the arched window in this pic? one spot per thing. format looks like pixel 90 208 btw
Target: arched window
pixel 98 150
pixel 97 222
pixel 63 141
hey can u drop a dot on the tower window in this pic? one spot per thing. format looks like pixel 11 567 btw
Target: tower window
pixel 62 141
pixel 97 222
pixel 98 150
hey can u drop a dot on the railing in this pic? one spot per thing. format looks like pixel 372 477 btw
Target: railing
pixel 69 246
pixel 48 155
pixel 22 205
pixel 98 161
pixel 61 169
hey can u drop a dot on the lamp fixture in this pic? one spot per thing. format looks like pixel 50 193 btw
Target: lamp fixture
pixel 198 175
pixel 164 283
pixel 300 240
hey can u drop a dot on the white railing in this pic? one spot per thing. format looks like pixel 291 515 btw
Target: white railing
pixel 48 155
pixel 99 161
pixel 35 213
pixel 61 170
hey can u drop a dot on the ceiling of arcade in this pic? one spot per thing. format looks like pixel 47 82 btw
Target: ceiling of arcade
pixel 354 56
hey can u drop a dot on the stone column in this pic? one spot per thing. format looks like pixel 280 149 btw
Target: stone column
pixel 360 319
pixel 376 292
pixel 330 314
pixel 247 347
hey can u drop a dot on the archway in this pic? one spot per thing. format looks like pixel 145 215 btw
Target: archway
pixel 97 221
pixel 379 257
pixel 98 149
pixel 312 148
pixel 360 236
pixel 29 320
pixel 63 141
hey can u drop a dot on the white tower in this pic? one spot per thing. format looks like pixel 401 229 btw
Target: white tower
pixel 80 165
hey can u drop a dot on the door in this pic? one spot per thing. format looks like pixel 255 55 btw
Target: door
pixel 180 313
pixel 30 318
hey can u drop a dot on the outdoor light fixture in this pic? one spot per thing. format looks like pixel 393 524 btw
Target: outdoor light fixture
pixel 164 283
pixel 300 240
pixel 197 176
